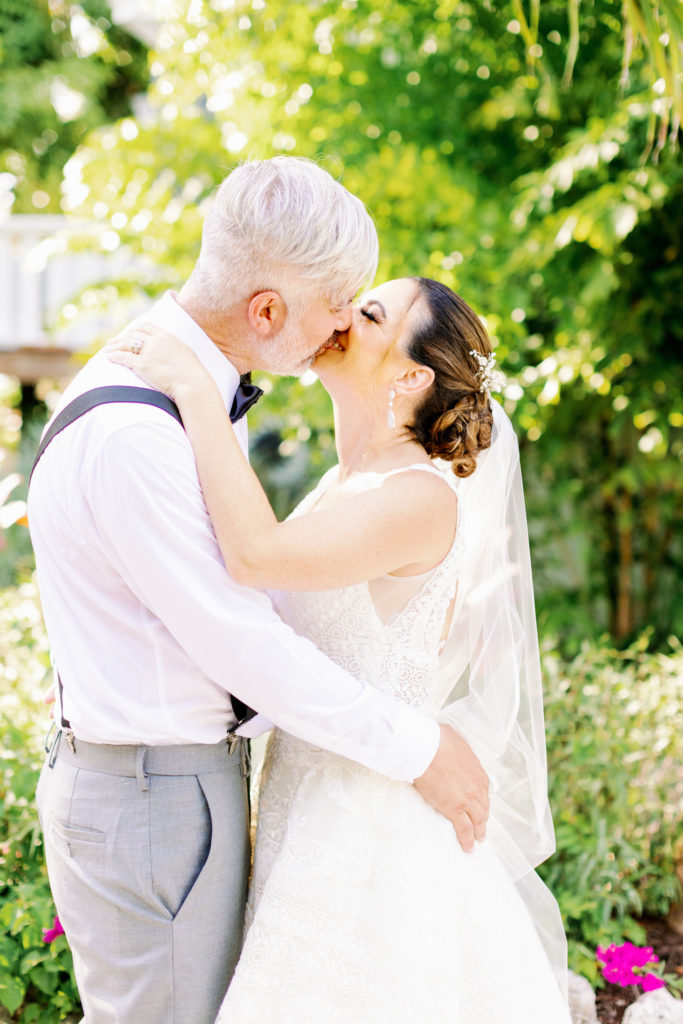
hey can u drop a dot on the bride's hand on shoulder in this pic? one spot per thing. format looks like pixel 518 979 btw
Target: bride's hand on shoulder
pixel 159 358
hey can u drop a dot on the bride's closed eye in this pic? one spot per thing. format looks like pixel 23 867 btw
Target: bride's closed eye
pixel 369 315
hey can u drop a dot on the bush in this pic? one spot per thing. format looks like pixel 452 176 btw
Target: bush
pixel 613 722
pixel 17 561
pixel 36 980
pixel 614 743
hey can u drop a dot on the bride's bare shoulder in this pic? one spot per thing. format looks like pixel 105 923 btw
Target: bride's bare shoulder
pixel 424 486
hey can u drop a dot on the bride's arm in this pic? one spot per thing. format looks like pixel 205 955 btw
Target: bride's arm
pixel 406 519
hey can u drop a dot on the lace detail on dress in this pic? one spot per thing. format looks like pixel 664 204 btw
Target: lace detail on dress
pixel 399 656
pixel 363 908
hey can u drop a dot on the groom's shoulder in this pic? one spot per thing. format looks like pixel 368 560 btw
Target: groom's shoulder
pixel 104 423
pixel 98 372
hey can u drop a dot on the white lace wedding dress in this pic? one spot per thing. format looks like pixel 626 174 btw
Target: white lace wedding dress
pixel 363 907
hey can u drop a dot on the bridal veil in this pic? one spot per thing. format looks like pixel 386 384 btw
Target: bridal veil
pixel 490 687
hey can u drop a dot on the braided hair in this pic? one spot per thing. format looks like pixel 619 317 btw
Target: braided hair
pixel 454 420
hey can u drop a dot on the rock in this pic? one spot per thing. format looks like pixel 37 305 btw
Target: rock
pixel 581 1000
pixel 658 1007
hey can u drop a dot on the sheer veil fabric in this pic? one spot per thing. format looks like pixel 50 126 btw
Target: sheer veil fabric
pixel 490 687
pixel 363 906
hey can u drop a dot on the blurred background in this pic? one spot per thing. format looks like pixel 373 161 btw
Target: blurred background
pixel 525 154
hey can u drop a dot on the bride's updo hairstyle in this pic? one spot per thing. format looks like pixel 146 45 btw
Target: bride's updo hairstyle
pixel 454 420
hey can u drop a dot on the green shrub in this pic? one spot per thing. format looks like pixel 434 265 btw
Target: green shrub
pixel 615 746
pixel 614 750
pixel 36 980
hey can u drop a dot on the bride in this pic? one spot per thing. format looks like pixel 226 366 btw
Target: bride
pixel 408 564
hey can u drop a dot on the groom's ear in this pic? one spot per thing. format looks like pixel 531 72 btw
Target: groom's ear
pixel 267 313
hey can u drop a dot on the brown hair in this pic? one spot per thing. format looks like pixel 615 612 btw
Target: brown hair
pixel 454 420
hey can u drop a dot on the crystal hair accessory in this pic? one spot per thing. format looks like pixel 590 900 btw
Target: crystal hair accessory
pixel 487 376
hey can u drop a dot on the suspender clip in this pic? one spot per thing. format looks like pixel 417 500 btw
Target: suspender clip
pixel 54 748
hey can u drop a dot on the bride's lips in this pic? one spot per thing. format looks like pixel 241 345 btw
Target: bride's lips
pixel 332 344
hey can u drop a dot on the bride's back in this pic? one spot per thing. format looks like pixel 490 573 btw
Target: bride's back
pixel 388 630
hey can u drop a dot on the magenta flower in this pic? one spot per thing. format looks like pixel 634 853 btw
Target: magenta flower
pixel 50 934
pixel 650 982
pixel 623 965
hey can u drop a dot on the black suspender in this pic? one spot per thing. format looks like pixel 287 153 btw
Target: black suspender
pixel 74 410
pixel 106 396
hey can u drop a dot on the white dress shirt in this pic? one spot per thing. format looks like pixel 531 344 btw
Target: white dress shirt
pixel 149 633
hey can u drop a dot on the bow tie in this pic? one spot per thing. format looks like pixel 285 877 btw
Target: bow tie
pixel 247 394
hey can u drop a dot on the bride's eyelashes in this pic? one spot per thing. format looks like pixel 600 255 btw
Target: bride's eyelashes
pixel 369 315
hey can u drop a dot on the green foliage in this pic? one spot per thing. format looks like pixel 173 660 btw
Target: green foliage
pixel 615 750
pixel 503 149
pixel 19 438
pixel 293 442
pixel 36 980
pixel 614 746
pixel 512 158
pixel 65 68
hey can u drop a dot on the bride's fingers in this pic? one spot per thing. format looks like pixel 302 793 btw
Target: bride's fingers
pixel 478 814
pixel 479 826
pixel 124 358
pixel 470 827
pixel 126 339
pixel 465 832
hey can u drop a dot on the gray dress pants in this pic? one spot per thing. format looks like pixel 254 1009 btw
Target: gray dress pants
pixel 148 858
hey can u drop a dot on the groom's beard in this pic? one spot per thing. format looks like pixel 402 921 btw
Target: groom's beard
pixel 286 354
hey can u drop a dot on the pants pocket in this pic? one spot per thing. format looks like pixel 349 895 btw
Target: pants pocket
pixel 76 833
pixel 180 837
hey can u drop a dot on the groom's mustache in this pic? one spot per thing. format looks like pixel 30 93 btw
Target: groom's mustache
pixel 334 341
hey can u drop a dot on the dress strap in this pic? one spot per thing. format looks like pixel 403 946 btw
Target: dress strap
pixel 416 465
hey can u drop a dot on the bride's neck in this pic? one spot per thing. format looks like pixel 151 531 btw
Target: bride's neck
pixel 364 440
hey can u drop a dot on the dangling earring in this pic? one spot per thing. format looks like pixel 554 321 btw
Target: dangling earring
pixel 391 419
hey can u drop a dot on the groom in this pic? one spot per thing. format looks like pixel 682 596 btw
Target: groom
pixel 142 800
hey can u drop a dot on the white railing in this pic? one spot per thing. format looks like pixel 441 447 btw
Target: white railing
pixel 38 276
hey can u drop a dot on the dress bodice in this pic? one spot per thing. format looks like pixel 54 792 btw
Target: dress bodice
pixel 363 906
pixel 399 653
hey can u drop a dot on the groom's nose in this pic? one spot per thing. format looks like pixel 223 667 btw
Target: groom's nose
pixel 343 318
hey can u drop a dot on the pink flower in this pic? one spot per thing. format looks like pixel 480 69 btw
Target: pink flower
pixel 50 934
pixel 605 953
pixel 650 982
pixel 617 974
pixel 641 956
pixel 623 965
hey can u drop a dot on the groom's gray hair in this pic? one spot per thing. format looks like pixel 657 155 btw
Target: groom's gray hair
pixel 286 225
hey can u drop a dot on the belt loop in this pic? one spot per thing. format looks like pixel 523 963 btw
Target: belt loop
pixel 140 769
pixel 245 772
pixel 245 758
